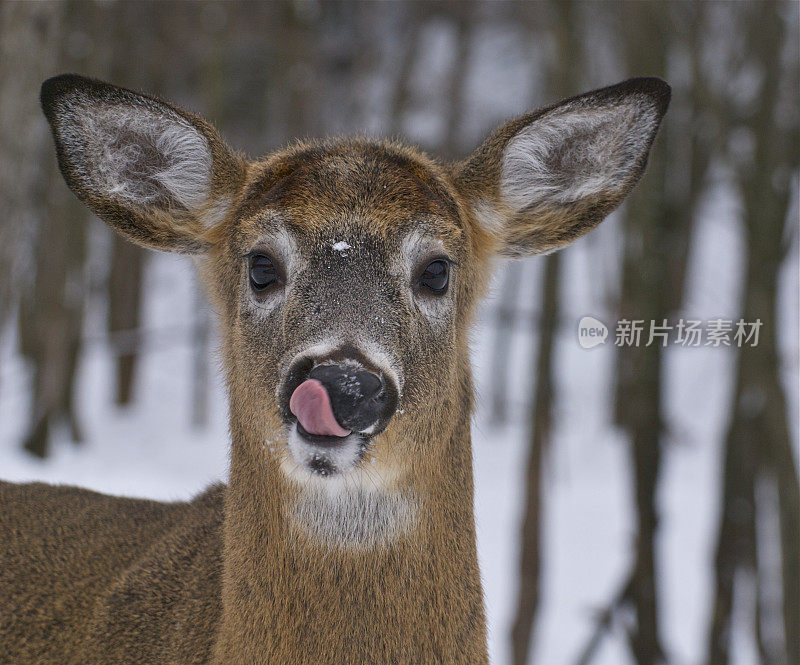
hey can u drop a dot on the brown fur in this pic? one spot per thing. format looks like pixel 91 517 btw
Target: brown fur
pixel 229 577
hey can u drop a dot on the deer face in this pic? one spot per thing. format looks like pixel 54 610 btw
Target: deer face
pixel 345 272
pixel 346 293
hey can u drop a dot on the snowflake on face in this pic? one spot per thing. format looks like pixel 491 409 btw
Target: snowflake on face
pixel 341 247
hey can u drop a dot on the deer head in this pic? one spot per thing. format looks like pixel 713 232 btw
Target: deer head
pixel 345 272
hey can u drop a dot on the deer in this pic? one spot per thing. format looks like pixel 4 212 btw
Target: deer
pixel 345 273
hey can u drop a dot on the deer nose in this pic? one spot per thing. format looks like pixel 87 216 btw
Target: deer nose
pixel 329 398
pixel 358 398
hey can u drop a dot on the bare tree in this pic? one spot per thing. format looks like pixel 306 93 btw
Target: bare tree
pixel 647 235
pixel 462 14
pixel 412 30
pixel 51 310
pixel 28 47
pixel 758 449
pixel 505 319
pixel 563 79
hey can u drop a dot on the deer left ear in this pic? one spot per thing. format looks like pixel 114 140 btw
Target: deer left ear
pixel 547 178
pixel 159 175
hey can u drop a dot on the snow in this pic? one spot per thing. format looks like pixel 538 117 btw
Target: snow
pixel 340 246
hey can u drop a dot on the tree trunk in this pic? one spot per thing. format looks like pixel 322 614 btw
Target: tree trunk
pixel 402 88
pixel 51 312
pixel 648 235
pixel 124 307
pixel 563 80
pixel 541 422
pixel 29 34
pixel 758 445
pixel 504 324
pixel 454 109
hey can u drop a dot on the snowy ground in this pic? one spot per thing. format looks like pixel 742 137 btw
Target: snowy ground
pixel 150 449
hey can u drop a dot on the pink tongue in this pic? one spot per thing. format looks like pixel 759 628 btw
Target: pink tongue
pixel 312 406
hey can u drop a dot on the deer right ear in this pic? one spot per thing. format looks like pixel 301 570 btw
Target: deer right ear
pixel 544 179
pixel 156 173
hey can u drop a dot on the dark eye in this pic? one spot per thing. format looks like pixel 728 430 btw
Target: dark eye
pixel 435 277
pixel 262 272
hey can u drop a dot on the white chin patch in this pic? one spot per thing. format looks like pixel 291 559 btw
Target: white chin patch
pixel 352 504
pixel 320 461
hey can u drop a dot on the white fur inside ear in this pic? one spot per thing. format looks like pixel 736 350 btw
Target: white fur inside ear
pixel 489 217
pixel 576 152
pixel 141 155
pixel 216 212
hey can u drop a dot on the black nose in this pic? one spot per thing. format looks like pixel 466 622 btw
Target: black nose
pixel 358 397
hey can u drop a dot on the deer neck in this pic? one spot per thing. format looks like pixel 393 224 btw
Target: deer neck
pixel 406 597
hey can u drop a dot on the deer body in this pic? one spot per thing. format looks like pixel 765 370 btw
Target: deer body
pixel 345 274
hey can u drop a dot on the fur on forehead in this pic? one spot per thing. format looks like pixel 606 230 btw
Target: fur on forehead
pixel 384 182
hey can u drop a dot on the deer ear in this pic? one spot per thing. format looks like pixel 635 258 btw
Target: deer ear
pixel 546 178
pixel 156 173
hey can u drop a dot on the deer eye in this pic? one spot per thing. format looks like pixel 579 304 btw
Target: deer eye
pixel 435 277
pixel 263 272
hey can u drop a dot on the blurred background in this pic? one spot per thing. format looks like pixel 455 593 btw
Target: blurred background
pixel 636 504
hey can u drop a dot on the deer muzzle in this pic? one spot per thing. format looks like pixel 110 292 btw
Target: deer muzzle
pixel 332 399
